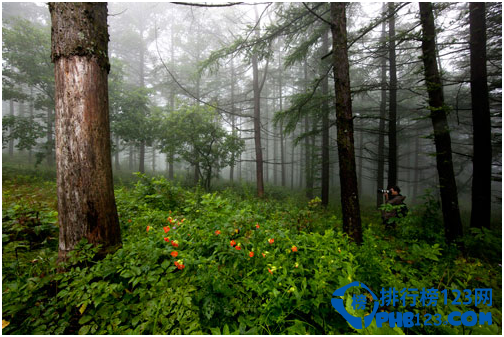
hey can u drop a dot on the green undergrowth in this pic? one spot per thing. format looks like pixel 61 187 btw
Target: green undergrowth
pixel 179 270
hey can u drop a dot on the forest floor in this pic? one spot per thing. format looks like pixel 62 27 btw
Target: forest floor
pixel 226 262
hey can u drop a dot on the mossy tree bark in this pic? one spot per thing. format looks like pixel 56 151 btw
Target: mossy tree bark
pixel 344 120
pixel 86 203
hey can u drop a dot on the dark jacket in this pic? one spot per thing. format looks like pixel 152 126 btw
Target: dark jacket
pixel 396 200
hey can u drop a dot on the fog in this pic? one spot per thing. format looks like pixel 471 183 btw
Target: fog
pixel 168 58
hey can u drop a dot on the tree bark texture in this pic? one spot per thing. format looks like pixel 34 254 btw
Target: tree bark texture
pixel 442 140
pixel 482 133
pixel 344 121
pixel 325 126
pixel 392 131
pixel 86 204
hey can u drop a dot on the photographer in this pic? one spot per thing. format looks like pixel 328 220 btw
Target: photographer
pixel 393 197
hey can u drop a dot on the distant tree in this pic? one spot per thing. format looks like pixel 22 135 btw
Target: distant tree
pixel 194 133
pixel 482 133
pixel 133 120
pixel 28 75
pixel 442 140
pixel 346 151
pixel 86 204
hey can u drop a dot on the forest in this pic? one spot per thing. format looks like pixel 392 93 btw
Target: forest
pixel 252 168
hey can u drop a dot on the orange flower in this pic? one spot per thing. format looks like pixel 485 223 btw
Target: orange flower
pixel 166 229
pixel 167 239
pixel 174 243
pixel 264 255
pixel 271 241
pixel 174 253
pixel 270 271
pixel 179 264
pixel 217 232
pixel 294 249
pixel 251 254
pixel 232 243
pixel 238 248
pixel 182 220
pixel 257 226
pixel 129 220
pixel 148 227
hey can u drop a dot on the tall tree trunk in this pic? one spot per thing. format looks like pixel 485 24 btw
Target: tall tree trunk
pixel 86 204
pixel 32 111
pixel 282 138
pixel 130 158
pixel 392 131
pixel 381 127
pixel 141 167
pixel 307 153
pixel 11 141
pixel 257 123
pixel 233 117
pixel 346 152
pixel 448 186
pixel 325 125
pixel 416 175
pixel 482 133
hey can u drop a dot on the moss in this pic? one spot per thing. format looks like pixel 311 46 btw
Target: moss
pixel 80 29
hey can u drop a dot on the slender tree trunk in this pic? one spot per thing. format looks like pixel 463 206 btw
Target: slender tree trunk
pixel 141 167
pixel 361 155
pixel 392 131
pixel 32 110
pixel 383 111
pixel 482 133
pixel 346 151
pixel 416 175
pixel 11 141
pixel 448 186
pixel 86 204
pixel 116 155
pixel 50 142
pixel 292 166
pixel 257 124
pixel 153 156
pixel 130 158
pixel 282 139
pixel 325 126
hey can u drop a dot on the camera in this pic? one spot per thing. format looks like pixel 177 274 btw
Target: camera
pixel 383 191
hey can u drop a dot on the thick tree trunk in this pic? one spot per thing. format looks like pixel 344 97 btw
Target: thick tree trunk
pixel 392 131
pixel 381 127
pixel 346 152
pixel 86 205
pixel 482 133
pixel 448 186
pixel 325 126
